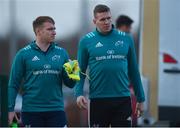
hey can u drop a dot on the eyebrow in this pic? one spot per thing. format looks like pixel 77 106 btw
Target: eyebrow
pixel 51 28
pixel 105 18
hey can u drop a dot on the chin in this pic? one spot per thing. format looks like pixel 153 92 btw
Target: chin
pixel 107 30
pixel 51 41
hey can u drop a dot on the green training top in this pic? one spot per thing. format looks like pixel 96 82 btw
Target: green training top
pixel 112 65
pixel 41 75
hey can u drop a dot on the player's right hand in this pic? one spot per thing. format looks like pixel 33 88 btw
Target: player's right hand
pixel 11 116
pixel 139 109
pixel 82 102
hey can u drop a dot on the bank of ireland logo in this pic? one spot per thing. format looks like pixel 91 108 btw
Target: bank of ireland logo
pixel 47 66
pixel 110 52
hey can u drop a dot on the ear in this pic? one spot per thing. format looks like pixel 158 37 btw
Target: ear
pixel 94 21
pixel 37 30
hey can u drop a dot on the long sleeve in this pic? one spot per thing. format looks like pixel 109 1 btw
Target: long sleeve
pixel 83 62
pixel 67 81
pixel 16 76
pixel 134 74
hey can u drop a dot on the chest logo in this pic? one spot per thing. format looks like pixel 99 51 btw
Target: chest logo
pixel 56 57
pixel 99 45
pixel 110 51
pixel 47 66
pixel 35 58
pixel 119 43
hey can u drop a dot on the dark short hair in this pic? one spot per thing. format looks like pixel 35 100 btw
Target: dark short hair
pixel 101 8
pixel 123 20
pixel 40 20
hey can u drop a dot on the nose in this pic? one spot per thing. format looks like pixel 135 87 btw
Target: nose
pixel 107 21
pixel 54 32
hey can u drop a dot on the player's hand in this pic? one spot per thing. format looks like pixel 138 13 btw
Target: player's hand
pixel 13 119
pixel 72 69
pixel 11 116
pixel 139 109
pixel 82 102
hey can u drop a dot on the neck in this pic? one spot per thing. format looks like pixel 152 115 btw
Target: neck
pixel 43 45
pixel 103 33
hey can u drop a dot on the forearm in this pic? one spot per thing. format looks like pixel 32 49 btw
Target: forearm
pixel 79 86
pixel 68 81
pixel 12 93
pixel 134 74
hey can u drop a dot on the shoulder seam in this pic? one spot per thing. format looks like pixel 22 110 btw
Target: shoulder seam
pixel 90 35
pixel 121 33
pixel 57 47
pixel 28 47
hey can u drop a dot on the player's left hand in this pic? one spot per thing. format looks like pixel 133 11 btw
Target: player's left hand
pixel 72 69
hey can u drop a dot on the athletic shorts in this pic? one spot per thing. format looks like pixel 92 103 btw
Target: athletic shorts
pixel 44 119
pixel 114 112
